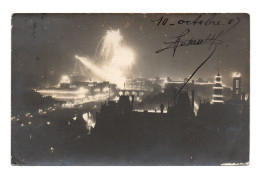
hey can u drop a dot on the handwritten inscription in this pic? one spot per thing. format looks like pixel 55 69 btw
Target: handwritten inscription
pixel 212 39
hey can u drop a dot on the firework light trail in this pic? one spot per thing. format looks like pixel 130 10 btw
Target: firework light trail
pixel 113 52
pixel 115 77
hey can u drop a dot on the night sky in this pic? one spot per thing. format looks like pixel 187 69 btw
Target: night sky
pixel 44 46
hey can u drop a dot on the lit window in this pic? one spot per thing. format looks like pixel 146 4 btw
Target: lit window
pixel 237 83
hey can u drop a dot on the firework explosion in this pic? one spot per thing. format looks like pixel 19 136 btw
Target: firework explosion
pixel 113 52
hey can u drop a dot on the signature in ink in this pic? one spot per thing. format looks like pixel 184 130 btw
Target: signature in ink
pixel 211 39
pixel 178 42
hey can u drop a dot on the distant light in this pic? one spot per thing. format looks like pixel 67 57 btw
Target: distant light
pixel 65 79
pixel 217 95
pixel 217 101
pixel 97 90
pixel 48 123
pixel 217 87
pixel 52 149
pixel 236 74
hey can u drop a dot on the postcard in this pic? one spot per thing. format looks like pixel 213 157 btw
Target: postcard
pixel 130 89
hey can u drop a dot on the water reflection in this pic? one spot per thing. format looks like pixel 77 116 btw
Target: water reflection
pixel 90 121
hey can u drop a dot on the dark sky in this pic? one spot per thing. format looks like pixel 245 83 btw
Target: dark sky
pixel 44 46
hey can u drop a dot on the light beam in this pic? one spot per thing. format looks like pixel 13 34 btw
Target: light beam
pixel 115 54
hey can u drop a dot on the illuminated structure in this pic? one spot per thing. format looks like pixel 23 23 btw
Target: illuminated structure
pixel 236 94
pixel 78 92
pixel 218 90
pixel 138 84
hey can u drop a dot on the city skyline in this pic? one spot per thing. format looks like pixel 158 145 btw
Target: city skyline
pixel 80 35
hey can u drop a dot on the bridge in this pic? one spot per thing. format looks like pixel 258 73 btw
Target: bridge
pixel 129 92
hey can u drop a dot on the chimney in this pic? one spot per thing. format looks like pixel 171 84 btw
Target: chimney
pixel 133 101
pixel 192 99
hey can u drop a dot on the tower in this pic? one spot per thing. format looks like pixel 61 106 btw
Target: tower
pixel 218 90
pixel 236 93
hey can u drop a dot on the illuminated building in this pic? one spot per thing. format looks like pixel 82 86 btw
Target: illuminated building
pixel 78 92
pixel 138 84
pixel 236 94
pixel 218 90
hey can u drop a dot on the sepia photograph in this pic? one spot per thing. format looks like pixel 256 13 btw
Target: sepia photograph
pixel 130 89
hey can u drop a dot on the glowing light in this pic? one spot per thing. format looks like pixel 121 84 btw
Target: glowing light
pixel 110 41
pixel 48 123
pixel 116 98
pixel 27 114
pixel 236 75
pixel 217 95
pixel 116 56
pixel 216 87
pixel 58 91
pixel 65 79
pixel 82 90
pixel 97 90
pixel 52 149
pixel 196 108
pixel 217 101
pixel 89 119
pixel 106 89
pixel 114 76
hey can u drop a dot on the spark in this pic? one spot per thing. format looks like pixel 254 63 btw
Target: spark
pixel 115 54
